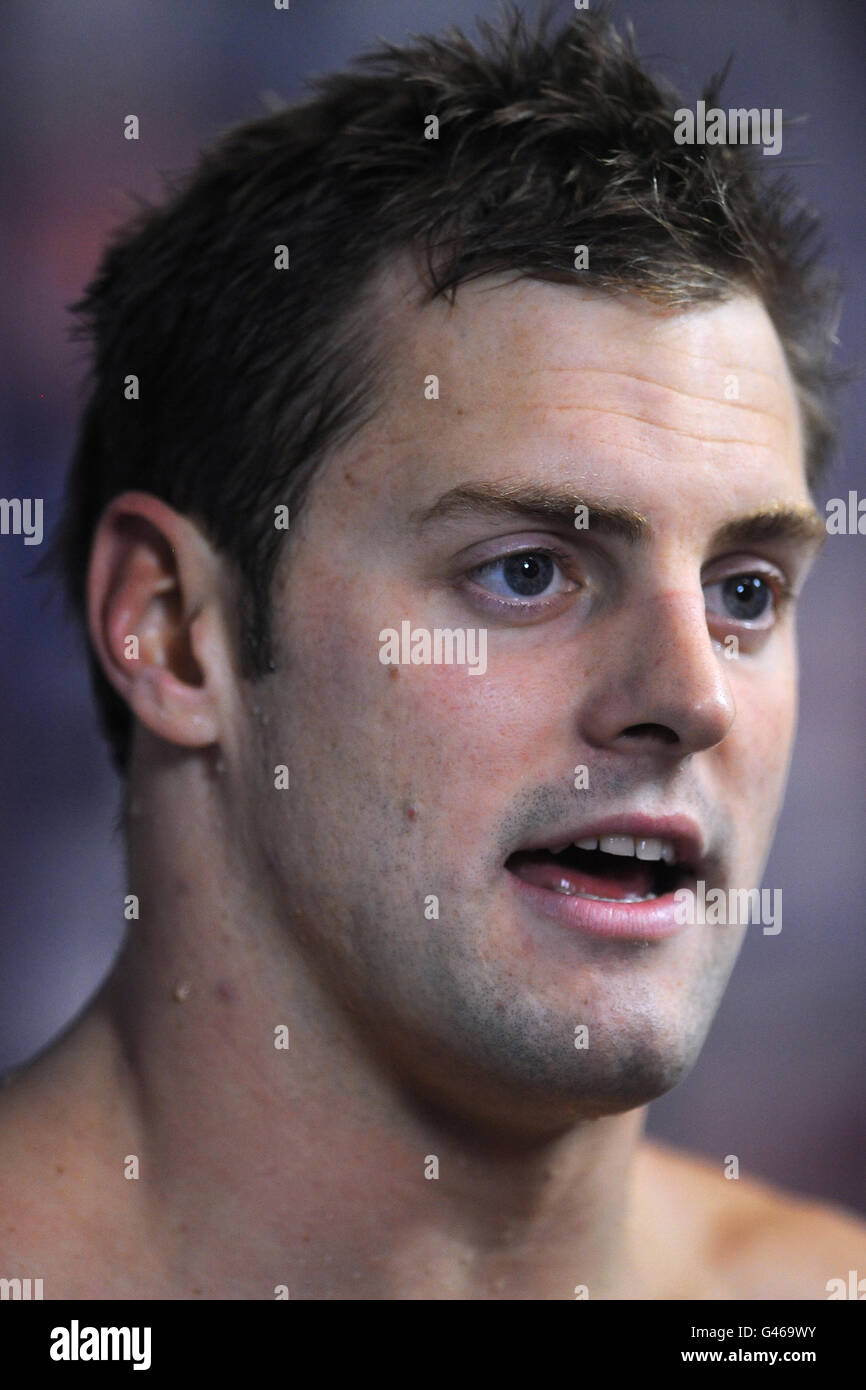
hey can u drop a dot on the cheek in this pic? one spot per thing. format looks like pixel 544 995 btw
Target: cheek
pixel 448 747
pixel 496 722
pixel 389 734
pixel 760 744
pixel 464 746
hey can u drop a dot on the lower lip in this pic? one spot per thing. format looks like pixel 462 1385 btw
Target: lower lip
pixel 648 921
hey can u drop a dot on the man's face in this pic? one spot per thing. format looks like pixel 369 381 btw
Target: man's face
pixel 420 786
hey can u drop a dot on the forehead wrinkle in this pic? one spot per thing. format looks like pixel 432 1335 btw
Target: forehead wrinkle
pixel 779 377
pixel 664 386
pixel 668 429
pixel 619 446
pixel 475 406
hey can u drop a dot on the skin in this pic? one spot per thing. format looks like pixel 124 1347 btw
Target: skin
pixel 453 1037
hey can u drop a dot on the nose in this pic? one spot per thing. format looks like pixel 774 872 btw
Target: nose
pixel 659 682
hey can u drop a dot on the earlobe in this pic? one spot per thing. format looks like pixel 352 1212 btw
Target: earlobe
pixel 153 615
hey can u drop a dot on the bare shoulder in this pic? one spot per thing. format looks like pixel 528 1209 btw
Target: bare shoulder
pixel 64 1207
pixel 750 1239
pixel 41 1183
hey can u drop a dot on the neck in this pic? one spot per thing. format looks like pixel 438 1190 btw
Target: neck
pixel 307 1165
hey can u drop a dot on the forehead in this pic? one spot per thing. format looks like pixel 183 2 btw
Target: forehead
pixel 533 367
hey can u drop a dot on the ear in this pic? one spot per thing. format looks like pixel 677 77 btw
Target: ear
pixel 156 620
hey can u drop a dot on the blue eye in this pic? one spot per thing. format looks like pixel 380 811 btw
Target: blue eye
pixel 745 598
pixel 526 574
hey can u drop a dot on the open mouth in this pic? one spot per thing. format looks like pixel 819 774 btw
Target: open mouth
pixel 613 869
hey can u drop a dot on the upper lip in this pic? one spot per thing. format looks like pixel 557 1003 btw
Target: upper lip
pixel 681 831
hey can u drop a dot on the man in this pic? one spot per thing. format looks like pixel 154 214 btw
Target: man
pixel 437 517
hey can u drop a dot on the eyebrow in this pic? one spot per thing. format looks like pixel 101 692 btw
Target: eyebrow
pixel 778 522
pixel 503 501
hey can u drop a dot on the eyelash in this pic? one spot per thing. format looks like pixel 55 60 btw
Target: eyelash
pixel 562 559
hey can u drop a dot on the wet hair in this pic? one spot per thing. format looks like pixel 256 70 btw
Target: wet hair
pixel 250 375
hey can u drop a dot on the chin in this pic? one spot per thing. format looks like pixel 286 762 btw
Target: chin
pixel 532 1087
pixel 628 1081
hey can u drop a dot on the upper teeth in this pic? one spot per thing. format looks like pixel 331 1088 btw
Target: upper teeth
pixel 628 845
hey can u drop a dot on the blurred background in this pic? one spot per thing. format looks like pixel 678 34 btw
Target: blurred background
pixel 781 1082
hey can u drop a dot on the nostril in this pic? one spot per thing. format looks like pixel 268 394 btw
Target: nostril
pixel 660 732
